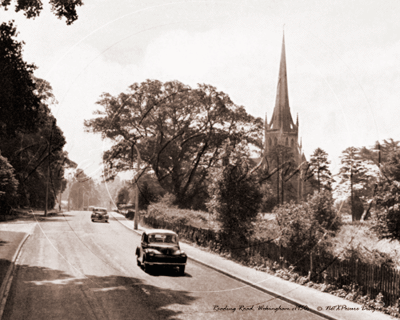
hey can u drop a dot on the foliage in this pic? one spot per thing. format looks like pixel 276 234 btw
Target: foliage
pixel 8 185
pixel 387 198
pixel 265 229
pixel 19 105
pixel 358 242
pixel 178 130
pixel 380 152
pixel 167 199
pixel 322 206
pixel 123 196
pixel 83 191
pixel 146 195
pixel 235 201
pixel 38 157
pixel 354 174
pixel 303 225
pixel 319 166
pixel 33 8
pixel 161 211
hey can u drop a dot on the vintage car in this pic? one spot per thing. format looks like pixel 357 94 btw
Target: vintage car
pixel 160 247
pixel 99 214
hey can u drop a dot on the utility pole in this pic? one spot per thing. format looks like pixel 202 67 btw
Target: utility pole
pixel 136 218
pixel 48 168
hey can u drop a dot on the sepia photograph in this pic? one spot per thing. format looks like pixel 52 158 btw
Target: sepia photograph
pixel 199 159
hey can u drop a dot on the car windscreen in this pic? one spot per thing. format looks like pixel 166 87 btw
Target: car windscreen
pixel 162 238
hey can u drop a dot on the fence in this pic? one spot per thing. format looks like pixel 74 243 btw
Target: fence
pixel 370 279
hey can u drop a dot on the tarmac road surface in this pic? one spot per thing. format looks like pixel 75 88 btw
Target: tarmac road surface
pixel 71 268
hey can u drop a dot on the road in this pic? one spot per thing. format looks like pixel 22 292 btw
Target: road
pixel 71 268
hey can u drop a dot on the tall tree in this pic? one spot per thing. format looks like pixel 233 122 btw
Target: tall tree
pixel 19 105
pixel 319 167
pixel 38 157
pixel 179 132
pixel 387 198
pixel 353 172
pixel 235 199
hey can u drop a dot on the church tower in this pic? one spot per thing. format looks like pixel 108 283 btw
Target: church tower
pixel 282 130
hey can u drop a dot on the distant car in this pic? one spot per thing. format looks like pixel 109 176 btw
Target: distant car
pixel 160 247
pixel 99 214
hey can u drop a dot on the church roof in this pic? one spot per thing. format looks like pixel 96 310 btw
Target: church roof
pixel 281 118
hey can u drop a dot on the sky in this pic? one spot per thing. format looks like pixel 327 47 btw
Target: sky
pixel 343 62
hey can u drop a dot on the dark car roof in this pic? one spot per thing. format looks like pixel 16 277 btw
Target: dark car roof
pixel 99 208
pixel 164 231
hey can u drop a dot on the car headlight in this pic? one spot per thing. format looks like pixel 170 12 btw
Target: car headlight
pixel 180 253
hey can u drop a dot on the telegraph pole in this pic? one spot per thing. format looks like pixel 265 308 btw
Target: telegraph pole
pixel 48 168
pixel 136 218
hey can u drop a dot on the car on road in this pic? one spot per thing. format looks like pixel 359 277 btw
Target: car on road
pixel 160 247
pixel 99 214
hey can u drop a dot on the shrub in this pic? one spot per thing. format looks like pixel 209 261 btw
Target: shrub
pixel 8 185
pixel 235 200
pixel 303 225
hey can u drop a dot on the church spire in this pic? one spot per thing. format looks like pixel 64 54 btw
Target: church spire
pixel 281 118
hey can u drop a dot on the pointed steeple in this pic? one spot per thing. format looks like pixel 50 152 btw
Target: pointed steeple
pixel 281 118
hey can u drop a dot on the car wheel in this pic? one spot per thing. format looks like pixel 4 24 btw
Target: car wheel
pixel 181 270
pixel 92 220
pixel 147 268
pixel 138 262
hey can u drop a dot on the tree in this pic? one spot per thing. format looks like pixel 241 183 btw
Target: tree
pixel 82 191
pixel 19 105
pixel 33 8
pixel 354 172
pixel 387 198
pixel 319 167
pixel 8 185
pixel 178 130
pixel 38 157
pixel 235 201
pixel 123 196
pixel 303 225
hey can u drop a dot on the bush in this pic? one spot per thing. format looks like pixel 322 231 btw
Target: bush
pixel 303 225
pixel 8 185
pixel 386 222
pixel 323 208
pixel 235 200
pixel 161 211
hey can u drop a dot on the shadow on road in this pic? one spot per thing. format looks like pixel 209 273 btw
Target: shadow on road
pixel 53 294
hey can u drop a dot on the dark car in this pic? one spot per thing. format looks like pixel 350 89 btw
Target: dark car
pixel 99 214
pixel 160 248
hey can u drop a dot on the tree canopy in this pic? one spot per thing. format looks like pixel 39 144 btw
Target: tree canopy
pixel 32 8
pixel 319 166
pixel 179 132
pixel 19 105
pixel 387 198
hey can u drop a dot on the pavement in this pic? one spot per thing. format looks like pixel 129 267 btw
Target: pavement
pixel 318 302
pixel 14 234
